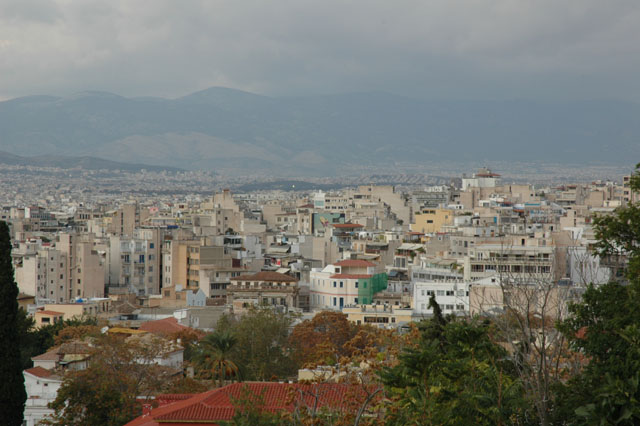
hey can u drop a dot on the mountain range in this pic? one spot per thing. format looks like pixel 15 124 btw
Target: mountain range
pixel 230 130
pixel 70 162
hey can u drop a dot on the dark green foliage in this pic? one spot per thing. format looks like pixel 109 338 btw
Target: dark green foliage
pixel 262 350
pixel 455 375
pixel 12 391
pixel 605 329
pixel 212 356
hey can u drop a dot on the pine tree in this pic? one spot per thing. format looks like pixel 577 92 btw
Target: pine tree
pixel 12 391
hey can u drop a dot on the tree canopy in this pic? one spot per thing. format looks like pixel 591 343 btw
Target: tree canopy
pixel 12 391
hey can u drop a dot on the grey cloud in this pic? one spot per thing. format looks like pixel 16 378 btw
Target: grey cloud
pixel 437 48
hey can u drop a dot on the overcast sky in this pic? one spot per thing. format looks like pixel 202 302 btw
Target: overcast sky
pixel 435 49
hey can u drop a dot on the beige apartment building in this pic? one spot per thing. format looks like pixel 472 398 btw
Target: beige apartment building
pixel 85 266
pixel 520 257
pixel 41 272
pixel 384 316
pixel 430 221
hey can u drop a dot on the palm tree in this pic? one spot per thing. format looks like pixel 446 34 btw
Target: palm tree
pixel 214 355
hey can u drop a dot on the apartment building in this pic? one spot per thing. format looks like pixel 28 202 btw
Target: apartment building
pixel 135 262
pixel 41 271
pixel 429 221
pixel 264 288
pixel 85 266
pixel 520 257
pixel 451 295
pixel 348 282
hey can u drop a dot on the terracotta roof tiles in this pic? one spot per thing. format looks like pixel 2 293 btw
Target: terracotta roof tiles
pixel 218 404
pixel 166 326
pixel 39 372
pixel 355 263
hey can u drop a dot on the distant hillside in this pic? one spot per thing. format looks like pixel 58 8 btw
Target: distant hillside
pixel 226 129
pixel 87 163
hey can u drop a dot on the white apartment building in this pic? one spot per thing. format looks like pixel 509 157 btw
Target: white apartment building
pixel 451 296
pixel 42 387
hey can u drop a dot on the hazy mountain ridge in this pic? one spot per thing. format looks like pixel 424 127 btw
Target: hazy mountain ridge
pixel 67 162
pixel 225 128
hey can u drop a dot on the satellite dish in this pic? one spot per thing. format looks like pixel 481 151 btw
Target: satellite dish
pixel 104 329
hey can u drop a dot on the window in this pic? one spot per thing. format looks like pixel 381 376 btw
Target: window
pixel 356 284
pixel 355 300
pixel 341 284
pixel 151 245
pixel 449 292
pixel 334 301
pixel 429 292
pixel 422 306
pixel 440 293
pixel 448 307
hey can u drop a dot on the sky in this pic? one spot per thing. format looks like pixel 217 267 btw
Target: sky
pixel 430 49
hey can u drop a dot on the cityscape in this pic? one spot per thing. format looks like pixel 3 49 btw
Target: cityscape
pixel 163 254
pixel 334 213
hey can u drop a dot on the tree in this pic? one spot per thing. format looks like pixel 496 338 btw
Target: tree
pixel 618 234
pixel 12 391
pixel 36 341
pixel 213 356
pixel 106 393
pixel 604 327
pixel 532 302
pixel 262 350
pixel 322 339
pixel 454 375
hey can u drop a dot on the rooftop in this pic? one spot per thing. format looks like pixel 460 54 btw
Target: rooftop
pixel 268 276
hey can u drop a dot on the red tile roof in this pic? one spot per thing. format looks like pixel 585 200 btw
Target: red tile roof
pixel 355 263
pixel 351 276
pixel 39 372
pixel 267 276
pixel 165 327
pixel 218 404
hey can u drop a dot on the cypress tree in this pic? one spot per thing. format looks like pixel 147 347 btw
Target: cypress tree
pixel 12 391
